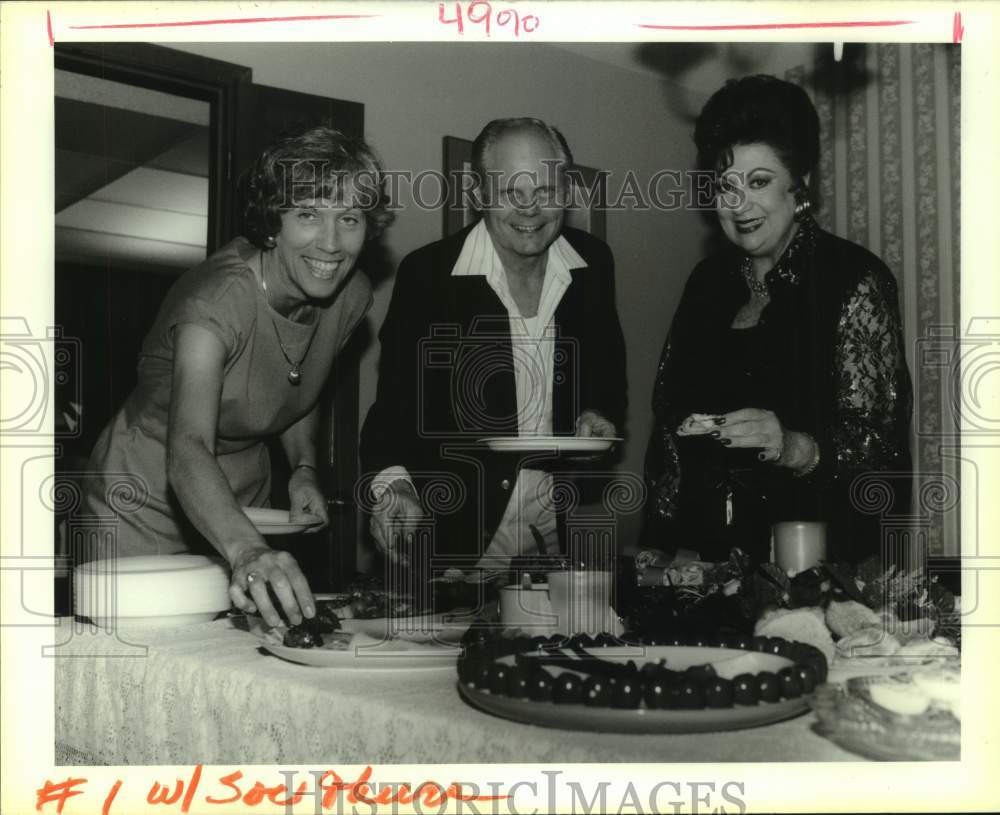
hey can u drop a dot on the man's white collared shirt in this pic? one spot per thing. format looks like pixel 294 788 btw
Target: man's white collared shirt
pixel 533 347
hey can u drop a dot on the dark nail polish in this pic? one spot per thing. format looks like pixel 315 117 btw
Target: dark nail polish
pixel 726 442
pixel 720 419
pixel 715 434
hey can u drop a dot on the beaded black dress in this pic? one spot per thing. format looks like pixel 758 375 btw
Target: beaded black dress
pixel 827 357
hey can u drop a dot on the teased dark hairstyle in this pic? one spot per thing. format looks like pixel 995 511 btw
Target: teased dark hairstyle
pixel 763 109
pixel 319 162
pixel 498 128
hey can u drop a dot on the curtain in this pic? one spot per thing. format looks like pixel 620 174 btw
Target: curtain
pixel 889 179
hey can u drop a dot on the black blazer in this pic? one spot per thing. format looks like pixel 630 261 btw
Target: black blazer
pixel 446 380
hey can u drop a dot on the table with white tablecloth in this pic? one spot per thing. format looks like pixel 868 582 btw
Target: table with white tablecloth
pixel 208 693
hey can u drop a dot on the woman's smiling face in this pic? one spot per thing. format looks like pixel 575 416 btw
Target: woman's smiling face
pixel 317 247
pixel 756 202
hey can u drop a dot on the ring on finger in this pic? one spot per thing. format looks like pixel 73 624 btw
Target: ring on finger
pixel 252 577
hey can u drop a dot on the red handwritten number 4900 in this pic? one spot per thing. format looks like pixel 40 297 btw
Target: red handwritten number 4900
pixel 480 12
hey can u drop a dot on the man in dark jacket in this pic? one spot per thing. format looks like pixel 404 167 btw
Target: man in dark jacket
pixel 507 328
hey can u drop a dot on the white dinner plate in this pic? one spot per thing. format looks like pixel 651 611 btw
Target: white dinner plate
pixel 727 664
pixel 363 653
pixel 372 655
pixel 557 445
pixel 269 521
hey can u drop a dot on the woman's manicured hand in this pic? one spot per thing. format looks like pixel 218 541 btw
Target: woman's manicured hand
pixel 258 567
pixel 760 429
pixel 751 427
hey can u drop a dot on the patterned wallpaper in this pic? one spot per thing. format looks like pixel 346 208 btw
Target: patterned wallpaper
pixel 889 179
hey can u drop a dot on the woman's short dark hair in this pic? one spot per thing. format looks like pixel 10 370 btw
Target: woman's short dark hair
pixel 315 163
pixel 498 128
pixel 755 109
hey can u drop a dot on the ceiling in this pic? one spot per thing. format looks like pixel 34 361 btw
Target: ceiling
pixel 131 170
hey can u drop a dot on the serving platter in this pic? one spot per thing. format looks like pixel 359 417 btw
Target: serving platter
pixel 615 720
pixel 556 445
pixel 727 664
pixel 850 716
pixel 270 521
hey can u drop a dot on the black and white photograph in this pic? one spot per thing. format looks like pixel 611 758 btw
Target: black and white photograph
pixel 546 402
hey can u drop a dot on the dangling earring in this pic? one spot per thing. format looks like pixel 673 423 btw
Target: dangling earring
pixel 802 206
pixel 270 242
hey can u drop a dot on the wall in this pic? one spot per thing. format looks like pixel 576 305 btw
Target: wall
pixel 889 178
pixel 613 118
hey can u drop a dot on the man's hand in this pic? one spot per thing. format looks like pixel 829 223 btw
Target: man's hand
pixel 592 424
pixel 394 518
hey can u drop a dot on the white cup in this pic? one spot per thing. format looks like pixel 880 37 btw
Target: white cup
pixel 798 545
pixel 527 608
pixel 581 601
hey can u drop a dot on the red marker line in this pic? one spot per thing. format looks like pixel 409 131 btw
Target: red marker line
pixel 48 24
pixel 762 26
pixel 184 23
pixel 957 29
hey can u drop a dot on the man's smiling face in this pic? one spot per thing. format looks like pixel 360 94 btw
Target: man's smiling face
pixel 525 196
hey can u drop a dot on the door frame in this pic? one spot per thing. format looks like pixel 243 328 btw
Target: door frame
pixel 164 69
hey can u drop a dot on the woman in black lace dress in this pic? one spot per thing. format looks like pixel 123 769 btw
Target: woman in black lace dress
pixel 783 377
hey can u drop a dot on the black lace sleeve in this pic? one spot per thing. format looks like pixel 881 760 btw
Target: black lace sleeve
pixel 869 427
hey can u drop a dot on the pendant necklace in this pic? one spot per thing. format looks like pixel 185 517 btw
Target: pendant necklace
pixel 295 371
pixel 758 287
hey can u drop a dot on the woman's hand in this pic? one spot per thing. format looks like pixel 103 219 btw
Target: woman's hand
pixel 394 518
pixel 306 498
pixel 592 424
pixel 259 566
pixel 753 427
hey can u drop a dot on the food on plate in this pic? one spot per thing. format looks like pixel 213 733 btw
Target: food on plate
pixel 893 717
pixel 937 692
pixel 845 617
pixel 907 700
pixel 356 605
pixel 309 633
pixel 369 604
pixel 873 641
pixel 799 624
pixel 326 614
pixel 944 687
